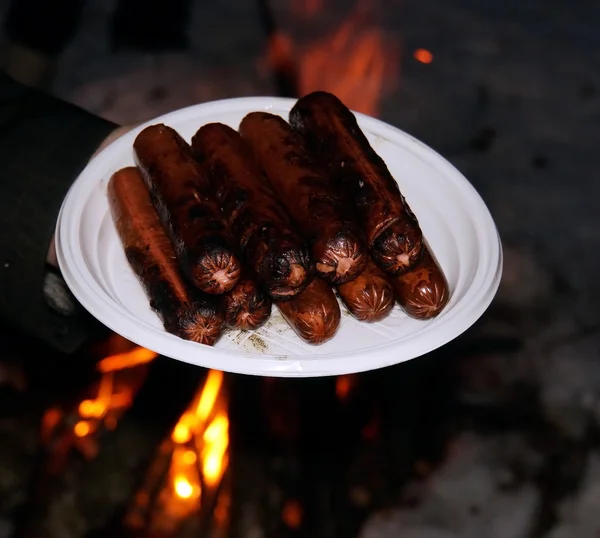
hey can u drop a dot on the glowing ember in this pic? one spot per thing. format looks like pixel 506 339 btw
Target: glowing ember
pixel 292 514
pixel 343 385
pixel 423 56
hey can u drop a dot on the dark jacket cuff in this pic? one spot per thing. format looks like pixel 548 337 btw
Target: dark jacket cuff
pixel 44 144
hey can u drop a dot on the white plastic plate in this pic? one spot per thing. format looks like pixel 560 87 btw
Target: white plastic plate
pixel 454 219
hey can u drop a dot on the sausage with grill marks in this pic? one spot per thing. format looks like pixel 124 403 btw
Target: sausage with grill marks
pixel 266 234
pixel 247 307
pixel 332 133
pixel 370 296
pixel 335 240
pixel 422 292
pixel 184 310
pixel 314 313
pixel 182 196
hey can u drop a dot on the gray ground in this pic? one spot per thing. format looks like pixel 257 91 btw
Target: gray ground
pixel 512 98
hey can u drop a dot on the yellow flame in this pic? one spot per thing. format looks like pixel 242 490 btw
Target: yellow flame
pixel 182 487
pixel 217 429
pixel 210 391
pixel 189 457
pixel 211 442
pixel 181 433
pixel 216 439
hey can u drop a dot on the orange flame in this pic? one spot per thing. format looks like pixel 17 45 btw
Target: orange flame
pixel 107 402
pixel 357 62
pixel 207 425
pixel 132 358
pixel 353 65
pixel 82 428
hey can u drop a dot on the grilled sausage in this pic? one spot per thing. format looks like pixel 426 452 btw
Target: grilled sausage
pixel 422 292
pixel 332 133
pixel 267 238
pixel 247 307
pixel 184 310
pixel 181 194
pixel 370 296
pixel 336 243
pixel 314 313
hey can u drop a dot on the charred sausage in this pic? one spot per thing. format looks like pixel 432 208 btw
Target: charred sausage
pixel 314 313
pixel 332 133
pixel 247 307
pixel 422 292
pixel 265 233
pixel 184 310
pixel 182 196
pixel 370 296
pixel 336 243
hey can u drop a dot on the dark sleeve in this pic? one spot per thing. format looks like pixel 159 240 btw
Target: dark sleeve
pixel 44 144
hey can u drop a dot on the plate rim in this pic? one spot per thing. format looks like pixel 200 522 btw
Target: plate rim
pixel 281 365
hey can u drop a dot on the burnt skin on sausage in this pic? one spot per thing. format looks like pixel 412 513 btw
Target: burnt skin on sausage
pixel 332 133
pixel 370 296
pixel 336 242
pixel 247 307
pixel 182 196
pixel 184 310
pixel 266 235
pixel 422 292
pixel 314 313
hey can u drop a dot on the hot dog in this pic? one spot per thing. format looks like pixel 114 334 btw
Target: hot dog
pixel 247 307
pixel 266 234
pixel 314 313
pixel 184 310
pixel 332 133
pixel 311 199
pixel 183 199
pixel 422 292
pixel 370 296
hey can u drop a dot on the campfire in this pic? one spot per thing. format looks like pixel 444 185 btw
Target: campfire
pixel 184 481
